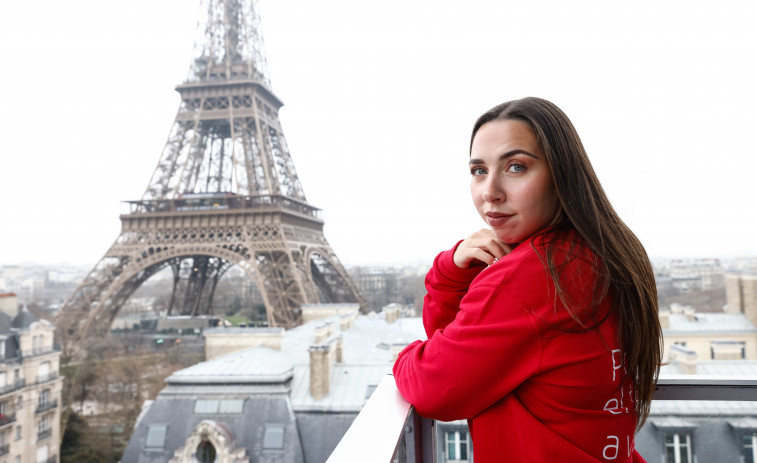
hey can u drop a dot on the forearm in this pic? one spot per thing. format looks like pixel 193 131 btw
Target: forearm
pixel 446 285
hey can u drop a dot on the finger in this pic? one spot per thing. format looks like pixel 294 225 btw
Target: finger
pixel 484 256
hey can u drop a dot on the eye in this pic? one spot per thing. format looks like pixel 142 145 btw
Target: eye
pixel 477 171
pixel 516 168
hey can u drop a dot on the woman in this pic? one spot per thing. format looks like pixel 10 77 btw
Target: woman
pixel 542 329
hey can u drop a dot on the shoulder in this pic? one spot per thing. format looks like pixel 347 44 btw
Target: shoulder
pixel 534 257
pixel 529 272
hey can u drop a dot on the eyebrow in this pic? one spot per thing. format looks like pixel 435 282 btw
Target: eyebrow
pixel 509 154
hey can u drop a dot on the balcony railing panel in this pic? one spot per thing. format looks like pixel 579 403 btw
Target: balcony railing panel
pixel 46 405
pixel 388 429
pixel 18 384
pixel 40 351
pixel 44 433
pixel 7 419
pixel 375 433
pixel 46 378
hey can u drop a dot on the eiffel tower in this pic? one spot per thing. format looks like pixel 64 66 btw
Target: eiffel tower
pixel 224 193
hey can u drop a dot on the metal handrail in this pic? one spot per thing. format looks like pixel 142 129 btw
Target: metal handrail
pixel 388 430
pixel 46 405
pixel 706 387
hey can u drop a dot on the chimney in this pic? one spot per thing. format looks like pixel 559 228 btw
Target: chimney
pixel 339 349
pixel 664 318
pixel 391 312
pixel 347 320
pixel 323 332
pixel 690 312
pixel 320 371
pixel 322 359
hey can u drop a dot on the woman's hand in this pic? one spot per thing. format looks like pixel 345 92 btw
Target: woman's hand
pixel 481 245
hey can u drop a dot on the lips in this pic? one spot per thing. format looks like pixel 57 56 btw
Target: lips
pixel 495 219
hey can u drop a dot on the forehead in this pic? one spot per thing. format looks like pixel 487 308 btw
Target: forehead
pixel 505 135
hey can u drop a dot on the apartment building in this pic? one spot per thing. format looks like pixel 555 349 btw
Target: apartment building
pixel 30 387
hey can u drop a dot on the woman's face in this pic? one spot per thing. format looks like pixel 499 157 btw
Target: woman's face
pixel 511 183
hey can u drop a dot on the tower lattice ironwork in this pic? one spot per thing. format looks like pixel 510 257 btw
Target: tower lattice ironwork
pixel 225 192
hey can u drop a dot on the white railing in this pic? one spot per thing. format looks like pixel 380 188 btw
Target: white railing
pixel 387 430
pixel 374 434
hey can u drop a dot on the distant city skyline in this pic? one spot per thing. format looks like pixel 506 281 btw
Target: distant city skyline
pixel 380 100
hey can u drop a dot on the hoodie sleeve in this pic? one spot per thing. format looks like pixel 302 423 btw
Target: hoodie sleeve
pixel 482 343
pixel 446 284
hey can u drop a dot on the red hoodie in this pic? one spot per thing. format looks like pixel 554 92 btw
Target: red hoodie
pixel 504 353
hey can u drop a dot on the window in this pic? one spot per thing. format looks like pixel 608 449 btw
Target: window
pixel 750 445
pixel 457 446
pixel 727 350
pixel 42 454
pixel 206 453
pixel 213 407
pixel 231 406
pixel 43 371
pixel 44 398
pixel 678 448
pixel 274 436
pixel 156 435
pixel 18 432
pixel 206 406
pixel 44 424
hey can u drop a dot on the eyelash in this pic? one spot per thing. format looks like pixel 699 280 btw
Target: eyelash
pixel 478 170
pixel 516 164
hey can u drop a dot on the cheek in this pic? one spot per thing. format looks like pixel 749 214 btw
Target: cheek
pixel 542 198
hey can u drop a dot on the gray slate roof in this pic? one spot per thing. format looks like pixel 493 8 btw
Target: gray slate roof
pixel 275 386
pixel 24 319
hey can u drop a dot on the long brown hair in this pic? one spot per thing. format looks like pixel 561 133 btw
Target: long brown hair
pixel 624 271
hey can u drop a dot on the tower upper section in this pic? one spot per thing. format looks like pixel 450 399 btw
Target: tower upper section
pixel 229 43
pixel 227 138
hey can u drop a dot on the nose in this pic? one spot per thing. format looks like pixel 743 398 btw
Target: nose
pixel 493 192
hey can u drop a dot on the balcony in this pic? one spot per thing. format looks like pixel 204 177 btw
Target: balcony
pixel 195 203
pixel 45 378
pixel 18 384
pixel 44 434
pixel 40 351
pixel 5 449
pixel 46 405
pixel 388 430
pixel 6 420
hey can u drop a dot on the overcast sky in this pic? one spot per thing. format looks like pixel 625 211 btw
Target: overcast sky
pixel 379 100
